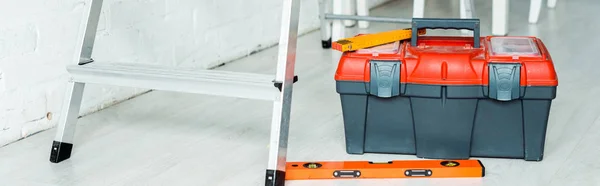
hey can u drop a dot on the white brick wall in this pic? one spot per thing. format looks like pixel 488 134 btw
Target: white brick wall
pixel 38 38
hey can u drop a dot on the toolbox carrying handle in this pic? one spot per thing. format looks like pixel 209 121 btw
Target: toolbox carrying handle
pixel 445 23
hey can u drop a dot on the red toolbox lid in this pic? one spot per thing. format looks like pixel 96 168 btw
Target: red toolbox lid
pixel 443 60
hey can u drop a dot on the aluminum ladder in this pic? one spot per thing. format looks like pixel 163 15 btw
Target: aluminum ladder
pixel 276 88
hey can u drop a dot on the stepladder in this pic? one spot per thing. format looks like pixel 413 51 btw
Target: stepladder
pixel 331 27
pixel 275 87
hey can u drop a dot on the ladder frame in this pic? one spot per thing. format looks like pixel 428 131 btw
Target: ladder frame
pixel 63 142
pixel 326 26
pixel 467 9
pixel 62 145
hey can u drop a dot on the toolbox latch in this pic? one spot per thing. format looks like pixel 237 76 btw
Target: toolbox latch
pixel 385 78
pixel 504 81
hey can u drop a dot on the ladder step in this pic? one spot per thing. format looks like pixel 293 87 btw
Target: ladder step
pixel 210 82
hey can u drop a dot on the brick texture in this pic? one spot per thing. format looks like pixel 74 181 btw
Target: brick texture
pixel 39 37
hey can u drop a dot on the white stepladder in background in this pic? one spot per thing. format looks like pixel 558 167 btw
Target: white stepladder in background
pixel 358 7
pixel 500 14
pixel 343 10
pixel 333 30
pixel 276 87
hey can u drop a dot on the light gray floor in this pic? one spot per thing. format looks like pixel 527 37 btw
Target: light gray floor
pixel 165 138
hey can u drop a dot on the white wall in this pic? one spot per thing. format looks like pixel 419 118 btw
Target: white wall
pixel 38 38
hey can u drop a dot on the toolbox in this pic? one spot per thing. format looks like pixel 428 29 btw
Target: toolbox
pixel 448 97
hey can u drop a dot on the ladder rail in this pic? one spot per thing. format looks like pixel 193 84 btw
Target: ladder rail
pixel 286 60
pixel 89 37
pixel 63 141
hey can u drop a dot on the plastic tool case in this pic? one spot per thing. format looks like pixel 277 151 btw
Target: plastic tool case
pixel 446 97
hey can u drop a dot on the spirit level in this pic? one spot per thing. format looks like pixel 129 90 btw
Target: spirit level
pixel 375 39
pixel 391 169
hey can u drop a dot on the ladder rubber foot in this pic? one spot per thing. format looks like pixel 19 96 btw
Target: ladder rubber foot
pixel 60 151
pixel 275 178
pixel 326 43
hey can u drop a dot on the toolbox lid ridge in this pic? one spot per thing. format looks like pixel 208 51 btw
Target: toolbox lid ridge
pixel 449 60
